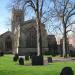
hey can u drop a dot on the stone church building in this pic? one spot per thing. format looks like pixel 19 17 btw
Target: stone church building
pixel 23 36
pixel 6 42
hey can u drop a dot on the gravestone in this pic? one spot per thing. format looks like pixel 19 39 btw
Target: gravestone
pixel 21 61
pixel 1 53
pixel 15 58
pixel 49 59
pixel 72 53
pixel 37 60
pixel 67 71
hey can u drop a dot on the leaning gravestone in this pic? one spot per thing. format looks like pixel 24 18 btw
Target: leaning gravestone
pixel 21 61
pixel 67 71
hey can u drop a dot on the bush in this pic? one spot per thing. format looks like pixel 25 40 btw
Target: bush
pixel 37 60
pixel 47 53
pixel 30 56
pixel 1 53
pixel 15 58
pixel 67 71
pixel 27 57
pixel 21 61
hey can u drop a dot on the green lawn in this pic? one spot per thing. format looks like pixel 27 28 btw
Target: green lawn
pixel 8 67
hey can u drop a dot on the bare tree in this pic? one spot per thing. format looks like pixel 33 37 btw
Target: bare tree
pixel 37 8
pixel 63 12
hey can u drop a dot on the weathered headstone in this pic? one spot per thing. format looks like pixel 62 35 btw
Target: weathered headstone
pixel 67 71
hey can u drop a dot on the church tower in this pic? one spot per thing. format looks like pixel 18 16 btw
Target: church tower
pixel 17 21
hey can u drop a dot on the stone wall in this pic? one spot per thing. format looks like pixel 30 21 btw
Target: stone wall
pixel 24 51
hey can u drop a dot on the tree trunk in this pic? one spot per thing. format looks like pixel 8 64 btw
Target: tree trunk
pixel 64 42
pixel 38 36
pixel 39 39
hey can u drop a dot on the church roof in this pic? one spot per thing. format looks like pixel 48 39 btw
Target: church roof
pixel 31 21
pixel 6 33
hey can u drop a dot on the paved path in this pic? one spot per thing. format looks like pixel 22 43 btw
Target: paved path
pixel 60 60
pixel 63 59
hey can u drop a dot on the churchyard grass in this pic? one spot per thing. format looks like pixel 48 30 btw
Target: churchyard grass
pixel 9 67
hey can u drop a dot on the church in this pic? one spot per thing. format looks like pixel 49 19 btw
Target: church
pixel 22 38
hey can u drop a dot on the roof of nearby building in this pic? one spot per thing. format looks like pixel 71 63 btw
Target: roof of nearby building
pixel 6 33
pixel 51 36
pixel 31 21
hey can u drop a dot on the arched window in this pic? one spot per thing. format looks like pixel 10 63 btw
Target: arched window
pixel 31 41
